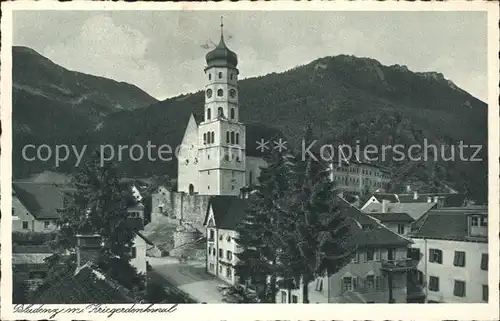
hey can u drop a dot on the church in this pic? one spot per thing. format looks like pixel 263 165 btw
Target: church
pixel 219 153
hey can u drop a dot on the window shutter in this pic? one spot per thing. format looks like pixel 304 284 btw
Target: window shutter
pixel 484 262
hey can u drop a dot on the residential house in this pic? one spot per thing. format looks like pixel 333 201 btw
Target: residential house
pixel 453 246
pixel 413 210
pixel 382 255
pixel 377 273
pixel 35 206
pixel 440 199
pixel 223 215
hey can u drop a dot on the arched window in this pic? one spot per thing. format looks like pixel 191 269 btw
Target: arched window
pixel 227 137
pixel 220 92
pixel 191 189
pixel 232 137
pixel 209 76
pixel 213 137
pixel 208 138
pixel 205 138
pixel 232 113
pixel 237 138
pixel 220 112
pixel 231 76
pixel 220 75
pixel 209 113
pixel 250 178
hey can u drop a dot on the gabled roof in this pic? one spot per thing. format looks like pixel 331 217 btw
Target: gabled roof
pixel 376 234
pixel 414 210
pixel 448 224
pixel 449 199
pixel 88 285
pixel 228 211
pixel 144 238
pixel 392 217
pixel 393 198
pixel 42 200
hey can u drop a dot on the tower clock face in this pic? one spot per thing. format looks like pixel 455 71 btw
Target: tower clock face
pixel 232 93
pixel 209 93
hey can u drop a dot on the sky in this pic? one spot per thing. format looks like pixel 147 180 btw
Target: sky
pixel 163 52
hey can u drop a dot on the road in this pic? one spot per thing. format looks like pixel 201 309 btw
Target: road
pixel 189 277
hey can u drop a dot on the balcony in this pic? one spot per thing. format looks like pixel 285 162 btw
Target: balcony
pixel 401 265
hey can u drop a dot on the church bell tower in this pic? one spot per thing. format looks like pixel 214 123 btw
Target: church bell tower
pixel 221 134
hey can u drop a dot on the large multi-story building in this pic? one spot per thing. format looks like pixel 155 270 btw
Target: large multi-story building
pixel 359 177
pixel 452 244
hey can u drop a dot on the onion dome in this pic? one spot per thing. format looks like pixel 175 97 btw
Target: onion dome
pixel 222 55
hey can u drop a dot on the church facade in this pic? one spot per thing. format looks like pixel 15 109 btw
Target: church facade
pixel 218 153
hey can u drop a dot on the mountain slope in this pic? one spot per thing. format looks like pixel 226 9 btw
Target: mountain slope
pixel 347 100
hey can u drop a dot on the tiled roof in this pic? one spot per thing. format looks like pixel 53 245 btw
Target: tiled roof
pixel 392 217
pixel 448 224
pixel 449 199
pixel 414 210
pixel 88 285
pixel 228 211
pixel 42 200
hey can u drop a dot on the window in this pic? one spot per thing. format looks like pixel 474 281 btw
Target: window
pixel 25 225
pixel 209 93
pixel 228 239
pixel 212 266
pixel 220 75
pixel 250 178
pixel 459 259
pixel 370 253
pixel 435 256
pixel 228 272
pixel 232 137
pixel 232 113
pixel 485 292
pixel 484 221
pixel 212 234
pixel 221 254
pixel 220 92
pixel 220 269
pixel 229 255
pixel 377 283
pixel 370 281
pixel 231 76
pixel 355 259
pixel 283 297
pixel 232 187
pixel 474 221
pixel 237 138
pixel 227 138
pixel 133 252
pixel 209 76
pixel 459 288
pixel 212 139
pixel 401 229
pixel 204 138
pixel 209 113
pixel 484 262
pixel 220 238
pixel 319 285
pixel 347 284
pixel 433 283
pixel 46 224
pixel 295 299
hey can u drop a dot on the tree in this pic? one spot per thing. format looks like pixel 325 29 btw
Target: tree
pixel 312 224
pixel 98 206
pixel 258 262
pixel 318 232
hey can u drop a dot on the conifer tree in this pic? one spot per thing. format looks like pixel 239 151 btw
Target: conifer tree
pixel 316 230
pixel 98 206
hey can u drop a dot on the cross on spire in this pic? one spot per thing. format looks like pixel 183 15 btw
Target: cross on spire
pixel 221 26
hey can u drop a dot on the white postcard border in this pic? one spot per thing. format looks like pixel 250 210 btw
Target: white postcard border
pixel 489 311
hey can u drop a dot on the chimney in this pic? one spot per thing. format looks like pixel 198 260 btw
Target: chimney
pixel 87 248
pixel 415 195
pixel 384 205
